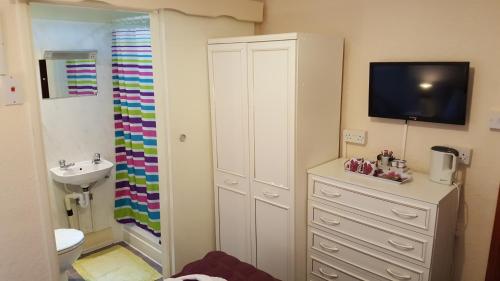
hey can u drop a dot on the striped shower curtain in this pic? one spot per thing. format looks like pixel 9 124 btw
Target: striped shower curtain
pixel 81 77
pixel 136 195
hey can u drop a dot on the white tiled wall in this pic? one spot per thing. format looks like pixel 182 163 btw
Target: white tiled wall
pixel 75 128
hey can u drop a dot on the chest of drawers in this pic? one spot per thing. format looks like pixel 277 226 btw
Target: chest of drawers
pixel 364 229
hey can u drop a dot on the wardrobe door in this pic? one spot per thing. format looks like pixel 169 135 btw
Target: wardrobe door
pixel 228 72
pixel 272 239
pixel 233 223
pixel 229 109
pixel 272 94
pixel 271 84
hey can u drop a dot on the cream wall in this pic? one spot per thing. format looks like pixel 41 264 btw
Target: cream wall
pixel 189 113
pixel 26 237
pixel 391 30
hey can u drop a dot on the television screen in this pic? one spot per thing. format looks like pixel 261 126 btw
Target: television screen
pixel 423 91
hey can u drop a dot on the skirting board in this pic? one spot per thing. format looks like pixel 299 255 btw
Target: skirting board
pixel 144 245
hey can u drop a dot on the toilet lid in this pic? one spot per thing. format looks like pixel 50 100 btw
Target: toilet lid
pixel 67 238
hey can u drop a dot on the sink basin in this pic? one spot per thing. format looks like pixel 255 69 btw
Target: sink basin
pixel 82 173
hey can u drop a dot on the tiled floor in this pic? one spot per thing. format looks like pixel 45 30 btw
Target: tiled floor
pixel 74 276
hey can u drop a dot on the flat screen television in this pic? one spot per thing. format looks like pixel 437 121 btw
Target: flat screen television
pixel 421 91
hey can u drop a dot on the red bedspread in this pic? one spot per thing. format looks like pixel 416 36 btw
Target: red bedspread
pixel 220 264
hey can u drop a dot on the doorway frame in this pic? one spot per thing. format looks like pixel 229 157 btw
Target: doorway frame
pixel 161 101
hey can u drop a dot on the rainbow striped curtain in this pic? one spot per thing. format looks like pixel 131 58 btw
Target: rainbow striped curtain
pixel 136 195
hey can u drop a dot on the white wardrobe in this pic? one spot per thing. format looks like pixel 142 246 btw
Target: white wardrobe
pixel 275 104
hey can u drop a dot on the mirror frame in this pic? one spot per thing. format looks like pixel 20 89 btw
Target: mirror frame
pixel 60 55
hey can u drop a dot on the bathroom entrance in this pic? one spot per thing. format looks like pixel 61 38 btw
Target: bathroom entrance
pixel 98 115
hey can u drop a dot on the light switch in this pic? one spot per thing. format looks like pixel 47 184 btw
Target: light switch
pixel 11 91
pixel 495 119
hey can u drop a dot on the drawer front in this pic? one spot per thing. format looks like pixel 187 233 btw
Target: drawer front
pixel 271 193
pixel 415 247
pixel 378 263
pixel 232 182
pixel 322 268
pixel 402 212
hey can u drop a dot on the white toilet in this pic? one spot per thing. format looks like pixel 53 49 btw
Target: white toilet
pixel 69 244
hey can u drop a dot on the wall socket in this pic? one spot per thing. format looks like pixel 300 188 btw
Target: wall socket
pixel 464 155
pixel 354 136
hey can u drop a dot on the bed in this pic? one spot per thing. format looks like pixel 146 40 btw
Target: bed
pixel 220 264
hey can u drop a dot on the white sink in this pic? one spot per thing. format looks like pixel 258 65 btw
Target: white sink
pixel 82 173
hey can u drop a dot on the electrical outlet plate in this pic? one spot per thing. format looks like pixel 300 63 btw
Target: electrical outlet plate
pixel 464 154
pixel 354 136
pixel 495 119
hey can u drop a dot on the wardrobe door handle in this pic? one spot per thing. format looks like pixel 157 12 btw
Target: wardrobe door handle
pixel 329 275
pixel 329 221
pixel 404 214
pixel 330 194
pixel 400 246
pixel 270 195
pixel 231 182
pixel 397 275
pixel 328 247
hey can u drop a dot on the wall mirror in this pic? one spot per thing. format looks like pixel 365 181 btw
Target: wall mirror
pixel 68 74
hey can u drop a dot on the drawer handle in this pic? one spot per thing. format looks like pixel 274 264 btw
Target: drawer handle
pixel 397 275
pixel 231 182
pixel 329 275
pixel 270 195
pixel 404 214
pixel 275 184
pixel 404 247
pixel 330 194
pixel 328 247
pixel 328 221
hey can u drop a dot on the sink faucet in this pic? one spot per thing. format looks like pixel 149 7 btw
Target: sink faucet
pixel 63 165
pixel 97 158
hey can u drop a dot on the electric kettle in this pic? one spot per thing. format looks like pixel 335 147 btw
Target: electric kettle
pixel 443 164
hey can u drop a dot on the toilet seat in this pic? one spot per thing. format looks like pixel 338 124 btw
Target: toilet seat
pixel 68 239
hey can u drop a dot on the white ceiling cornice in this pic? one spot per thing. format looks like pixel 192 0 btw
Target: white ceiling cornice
pixel 244 10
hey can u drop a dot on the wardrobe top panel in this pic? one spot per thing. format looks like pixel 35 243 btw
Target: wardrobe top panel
pixel 254 38
pixel 267 38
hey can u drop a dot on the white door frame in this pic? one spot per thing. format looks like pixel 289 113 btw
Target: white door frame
pixel 158 33
pixel 162 120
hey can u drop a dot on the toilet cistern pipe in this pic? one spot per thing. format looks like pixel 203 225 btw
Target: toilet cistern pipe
pixel 69 210
pixel 67 202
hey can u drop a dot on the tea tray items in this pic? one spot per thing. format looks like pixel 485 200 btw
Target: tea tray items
pixel 395 171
